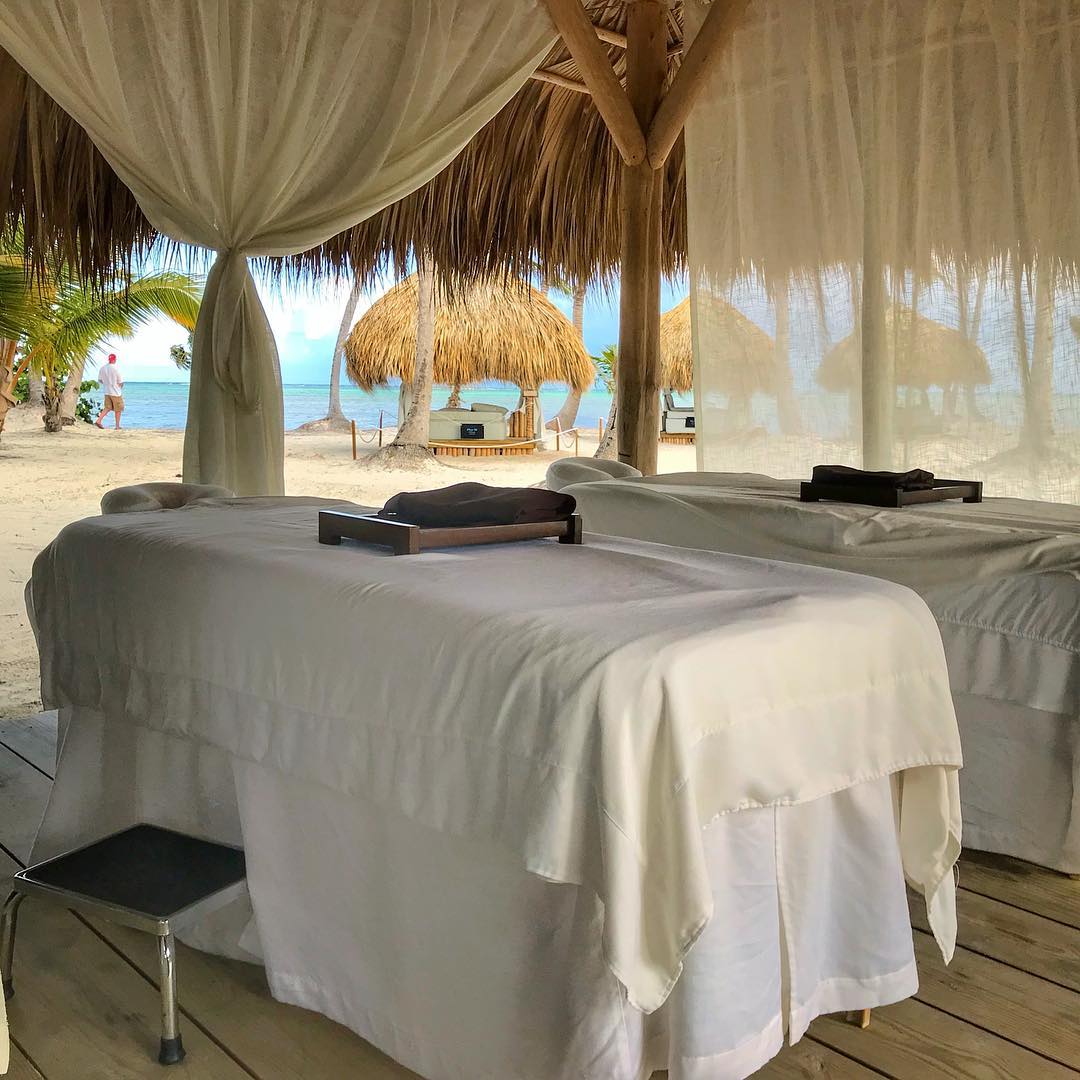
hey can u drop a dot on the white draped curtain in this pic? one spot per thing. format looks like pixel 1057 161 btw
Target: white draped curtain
pixel 892 192
pixel 264 127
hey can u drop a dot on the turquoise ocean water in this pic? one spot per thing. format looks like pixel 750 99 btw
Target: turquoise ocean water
pixel 164 404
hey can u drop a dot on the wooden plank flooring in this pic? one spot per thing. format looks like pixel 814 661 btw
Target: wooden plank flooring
pixel 1008 1008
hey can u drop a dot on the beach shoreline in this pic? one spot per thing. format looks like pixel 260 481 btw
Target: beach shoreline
pixel 51 480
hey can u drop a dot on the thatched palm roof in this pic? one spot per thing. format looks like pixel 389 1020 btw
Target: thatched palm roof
pixel 746 365
pixel 536 191
pixel 936 355
pixel 488 330
pixel 539 184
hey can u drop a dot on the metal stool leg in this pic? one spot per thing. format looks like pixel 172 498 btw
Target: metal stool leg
pixel 172 1046
pixel 8 920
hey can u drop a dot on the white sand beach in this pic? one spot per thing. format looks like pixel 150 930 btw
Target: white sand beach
pixel 51 480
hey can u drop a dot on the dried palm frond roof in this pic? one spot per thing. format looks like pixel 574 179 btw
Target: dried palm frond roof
pixel 747 361
pixel 535 192
pixel 926 353
pixel 490 329
pixel 54 183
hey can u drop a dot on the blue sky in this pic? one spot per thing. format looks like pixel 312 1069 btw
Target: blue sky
pixel 305 322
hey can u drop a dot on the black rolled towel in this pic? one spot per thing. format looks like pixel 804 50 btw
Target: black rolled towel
pixel 844 476
pixel 478 504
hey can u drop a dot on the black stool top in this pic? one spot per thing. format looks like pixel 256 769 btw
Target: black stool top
pixel 146 869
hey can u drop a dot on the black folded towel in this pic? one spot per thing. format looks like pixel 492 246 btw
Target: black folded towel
pixel 843 476
pixel 478 504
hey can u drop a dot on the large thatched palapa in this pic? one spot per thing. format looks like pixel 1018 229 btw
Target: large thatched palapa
pixel 748 362
pixel 487 330
pixel 938 356
pixel 537 189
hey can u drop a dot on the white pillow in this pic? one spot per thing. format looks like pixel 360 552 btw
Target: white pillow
pixel 481 407
pixel 158 495
pixel 582 470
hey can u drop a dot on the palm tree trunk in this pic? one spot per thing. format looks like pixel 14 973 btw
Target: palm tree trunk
pixel 36 400
pixel 7 370
pixel 410 443
pixel 1041 386
pixel 69 399
pixel 609 448
pixel 53 394
pixel 333 410
pixel 567 415
pixel 787 407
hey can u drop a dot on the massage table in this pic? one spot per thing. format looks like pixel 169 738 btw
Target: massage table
pixel 516 811
pixel 1001 578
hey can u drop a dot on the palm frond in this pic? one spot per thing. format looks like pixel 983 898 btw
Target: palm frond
pixel 83 317
pixel 17 309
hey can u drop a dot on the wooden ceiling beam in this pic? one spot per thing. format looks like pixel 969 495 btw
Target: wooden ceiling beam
pixel 579 36
pixel 698 62
pixel 612 37
pixel 553 77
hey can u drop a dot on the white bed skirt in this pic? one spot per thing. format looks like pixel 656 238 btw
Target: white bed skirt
pixel 459 964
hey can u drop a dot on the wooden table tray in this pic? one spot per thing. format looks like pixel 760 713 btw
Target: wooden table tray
pixel 968 490
pixel 405 539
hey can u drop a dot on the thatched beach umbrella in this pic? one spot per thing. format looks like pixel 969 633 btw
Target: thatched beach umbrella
pixel 937 355
pixel 488 330
pixel 747 363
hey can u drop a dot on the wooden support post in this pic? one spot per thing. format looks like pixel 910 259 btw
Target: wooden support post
pixel 352 425
pixel 380 426
pixel 638 372
pixel 579 36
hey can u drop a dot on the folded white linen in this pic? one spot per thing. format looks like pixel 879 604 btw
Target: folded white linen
pixel 588 709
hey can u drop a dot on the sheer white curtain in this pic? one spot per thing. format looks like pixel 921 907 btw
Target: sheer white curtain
pixel 263 127
pixel 892 191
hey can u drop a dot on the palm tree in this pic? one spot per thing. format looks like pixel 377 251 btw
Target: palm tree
pixel 605 364
pixel 60 322
pixel 411 441
pixel 566 417
pixel 335 419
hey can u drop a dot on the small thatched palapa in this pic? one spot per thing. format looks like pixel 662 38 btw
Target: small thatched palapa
pixel 489 330
pixel 748 363
pixel 938 356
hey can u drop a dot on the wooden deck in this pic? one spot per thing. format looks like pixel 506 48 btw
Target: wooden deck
pixel 87 1008
pixel 481 447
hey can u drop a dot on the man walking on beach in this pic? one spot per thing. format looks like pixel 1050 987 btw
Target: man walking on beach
pixel 112 382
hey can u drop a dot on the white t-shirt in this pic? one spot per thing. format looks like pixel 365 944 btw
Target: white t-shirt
pixel 112 382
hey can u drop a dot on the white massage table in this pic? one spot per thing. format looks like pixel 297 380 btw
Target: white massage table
pixel 1001 577
pixel 516 811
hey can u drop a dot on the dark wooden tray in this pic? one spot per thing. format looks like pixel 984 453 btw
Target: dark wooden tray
pixel 404 539
pixel 968 490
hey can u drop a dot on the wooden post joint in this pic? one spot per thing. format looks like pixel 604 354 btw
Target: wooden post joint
pixel 698 63
pixel 580 37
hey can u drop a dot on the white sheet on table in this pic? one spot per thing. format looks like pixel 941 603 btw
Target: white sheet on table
pixel 586 708
pixel 1002 577
pixel 454 960
pixel 918 546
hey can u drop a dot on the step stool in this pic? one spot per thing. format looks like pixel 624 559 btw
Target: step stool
pixel 149 878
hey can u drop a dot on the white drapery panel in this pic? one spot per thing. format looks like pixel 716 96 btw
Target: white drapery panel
pixel 263 127
pixel 892 191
